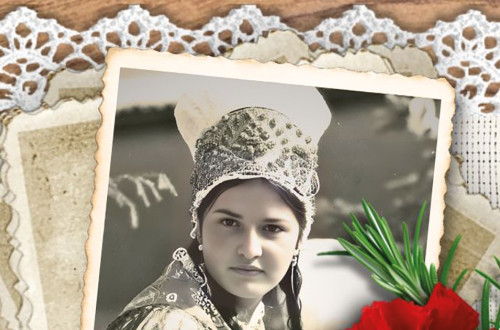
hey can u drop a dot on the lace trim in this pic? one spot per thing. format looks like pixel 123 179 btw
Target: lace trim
pixel 465 50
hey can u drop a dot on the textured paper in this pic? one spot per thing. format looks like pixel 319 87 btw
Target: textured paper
pixel 477 138
pixel 45 153
pixel 280 47
pixel 473 218
pixel 362 61
pixel 80 86
pixel 409 61
pixel 11 299
pixel 303 75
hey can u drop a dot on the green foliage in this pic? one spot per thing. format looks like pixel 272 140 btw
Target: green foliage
pixel 485 300
pixel 485 308
pixel 405 274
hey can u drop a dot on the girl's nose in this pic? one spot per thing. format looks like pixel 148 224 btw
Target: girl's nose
pixel 250 246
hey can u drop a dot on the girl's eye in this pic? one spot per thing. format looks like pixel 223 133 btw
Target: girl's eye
pixel 273 229
pixel 229 222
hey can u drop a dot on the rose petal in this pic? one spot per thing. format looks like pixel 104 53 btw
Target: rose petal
pixel 450 311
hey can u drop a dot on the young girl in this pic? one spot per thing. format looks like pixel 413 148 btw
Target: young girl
pixel 254 182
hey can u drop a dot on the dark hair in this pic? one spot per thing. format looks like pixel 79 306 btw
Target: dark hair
pixel 291 282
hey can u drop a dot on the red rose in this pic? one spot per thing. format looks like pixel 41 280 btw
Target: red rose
pixel 397 314
pixel 444 310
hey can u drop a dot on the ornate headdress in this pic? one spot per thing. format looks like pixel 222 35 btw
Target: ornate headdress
pixel 246 130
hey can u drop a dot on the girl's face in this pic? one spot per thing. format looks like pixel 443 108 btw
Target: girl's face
pixel 249 236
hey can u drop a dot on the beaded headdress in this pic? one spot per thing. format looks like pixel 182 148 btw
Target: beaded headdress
pixel 261 131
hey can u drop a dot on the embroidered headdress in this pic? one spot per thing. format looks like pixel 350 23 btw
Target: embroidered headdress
pixel 245 130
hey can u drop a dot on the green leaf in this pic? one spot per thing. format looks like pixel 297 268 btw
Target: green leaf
pixel 424 274
pixel 365 244
pixel 365 259
pixel 347 229
pixel 408 286
pixel 417 231
pixel 355 223
pixel 402 272
pixel 459 279
pixel 449 260
pixel 406 240
pixel 497 319
pixel 392 243
pixel 497 261
pixel 434 276
pixel 489 278
pixel 419 261
pixel 374 219
pixel 334 253
pixel 386 285
pixel 373 240
pixel 382 247
pixel 409 281
pixel 485 308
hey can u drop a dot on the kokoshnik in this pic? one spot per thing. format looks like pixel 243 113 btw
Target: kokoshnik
pixel 269 131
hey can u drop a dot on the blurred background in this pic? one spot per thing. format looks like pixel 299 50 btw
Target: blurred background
pixel 378 147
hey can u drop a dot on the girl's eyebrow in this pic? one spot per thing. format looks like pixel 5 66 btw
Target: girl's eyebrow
pixel 228 212
pixel 238 216
pixel 275 220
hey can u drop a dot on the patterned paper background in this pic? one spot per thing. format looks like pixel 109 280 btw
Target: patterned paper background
pixel 42 185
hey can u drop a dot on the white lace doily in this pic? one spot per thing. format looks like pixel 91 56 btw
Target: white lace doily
pixel 466 50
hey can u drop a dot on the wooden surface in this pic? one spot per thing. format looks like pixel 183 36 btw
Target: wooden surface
pixel 414 16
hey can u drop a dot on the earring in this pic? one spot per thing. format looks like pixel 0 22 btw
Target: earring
pixel 200 247
pixel 295 258
pixel 294 272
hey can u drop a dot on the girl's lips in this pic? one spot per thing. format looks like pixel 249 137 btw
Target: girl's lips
pixel 247 270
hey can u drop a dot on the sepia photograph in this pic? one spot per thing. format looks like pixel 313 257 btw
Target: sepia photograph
pixel 221 184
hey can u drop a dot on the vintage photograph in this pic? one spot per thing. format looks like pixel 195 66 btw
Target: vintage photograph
pixel 219 182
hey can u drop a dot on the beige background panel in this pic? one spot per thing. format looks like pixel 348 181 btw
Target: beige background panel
pixel 33 313
pixel 59 212
pixel 473 245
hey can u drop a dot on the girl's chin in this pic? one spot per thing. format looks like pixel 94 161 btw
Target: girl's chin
pixel 248 294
